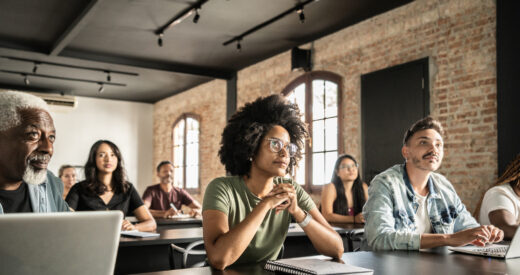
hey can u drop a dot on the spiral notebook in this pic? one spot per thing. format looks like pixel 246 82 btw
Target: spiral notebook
pixel 318 266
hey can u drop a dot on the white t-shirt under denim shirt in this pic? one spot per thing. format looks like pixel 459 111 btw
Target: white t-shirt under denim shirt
pixel 422 219
pixel 501 197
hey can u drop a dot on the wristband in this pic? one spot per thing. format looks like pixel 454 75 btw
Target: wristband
pixel 306 220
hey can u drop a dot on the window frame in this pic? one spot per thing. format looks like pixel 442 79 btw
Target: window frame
pixel 307 79
pixel 185 117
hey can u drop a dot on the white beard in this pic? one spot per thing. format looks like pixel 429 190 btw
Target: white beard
pixel 33 177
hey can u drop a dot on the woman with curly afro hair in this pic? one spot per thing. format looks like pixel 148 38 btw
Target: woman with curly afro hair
pixel 246 215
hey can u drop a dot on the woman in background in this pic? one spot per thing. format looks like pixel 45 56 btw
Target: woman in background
pixel 67 174
pixel 105 188
pixel 501 204
pixel 342 200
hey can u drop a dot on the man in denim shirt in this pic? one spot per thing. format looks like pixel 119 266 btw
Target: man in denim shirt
pixel 410 207
pixel 26 145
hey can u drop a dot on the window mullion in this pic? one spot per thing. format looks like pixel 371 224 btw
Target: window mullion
pixel 308 142
pixel 185 145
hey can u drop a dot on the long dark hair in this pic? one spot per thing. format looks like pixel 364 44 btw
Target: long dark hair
pixel 340 205
pixel 94 186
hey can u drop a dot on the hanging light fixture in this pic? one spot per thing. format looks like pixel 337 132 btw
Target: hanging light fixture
pixel 26 79
pixel 159 40
pixel 196 17
pixel 101 87
pixel 239 46
pixel 301 15
pixel 35 68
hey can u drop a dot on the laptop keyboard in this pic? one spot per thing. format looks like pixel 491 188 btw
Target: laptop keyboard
pixel 494 250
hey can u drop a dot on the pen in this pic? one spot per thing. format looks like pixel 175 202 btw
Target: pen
pixel 173 207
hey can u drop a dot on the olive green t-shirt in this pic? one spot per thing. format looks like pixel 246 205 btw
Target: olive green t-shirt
pixel 231 196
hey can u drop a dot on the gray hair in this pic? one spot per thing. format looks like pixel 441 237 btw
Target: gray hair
pixel 12 102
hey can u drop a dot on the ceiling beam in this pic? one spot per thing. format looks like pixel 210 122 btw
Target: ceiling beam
pixel 148 64
pixel 74 28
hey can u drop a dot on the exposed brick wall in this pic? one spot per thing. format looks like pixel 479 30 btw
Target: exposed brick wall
pixel 458 36
pixel 208 101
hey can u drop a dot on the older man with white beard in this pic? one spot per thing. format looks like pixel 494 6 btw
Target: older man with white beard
pixel 27 136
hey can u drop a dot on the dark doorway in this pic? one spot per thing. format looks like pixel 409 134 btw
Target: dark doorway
pixel 391 100
pixel 508 58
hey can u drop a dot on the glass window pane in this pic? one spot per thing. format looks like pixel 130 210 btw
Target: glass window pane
pixel 331 99
pixel 318 97
pixel 317 136
pixel 318 169
pixel 192 154
pixel 178 156
pixel 193 130
pixel 192 176
pixel 300 98
pixel 330 160
pixel 178 177
pixel 300 172
pixel 178 133
pixel 331 134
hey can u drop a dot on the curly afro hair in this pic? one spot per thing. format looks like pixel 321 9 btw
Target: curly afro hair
pixel 247 127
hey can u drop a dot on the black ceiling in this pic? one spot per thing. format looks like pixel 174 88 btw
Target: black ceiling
pixel 120 35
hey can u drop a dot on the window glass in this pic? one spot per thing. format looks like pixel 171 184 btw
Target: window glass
pixel 186 152
pixel 323 123
pixel 318 98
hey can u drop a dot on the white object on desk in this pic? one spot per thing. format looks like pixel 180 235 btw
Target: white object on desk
pixel 135 233
pixel 313 265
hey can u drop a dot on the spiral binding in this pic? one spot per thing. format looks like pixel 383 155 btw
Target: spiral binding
pixel 291 269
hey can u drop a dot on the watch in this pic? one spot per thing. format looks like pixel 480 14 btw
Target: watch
pixel 306 220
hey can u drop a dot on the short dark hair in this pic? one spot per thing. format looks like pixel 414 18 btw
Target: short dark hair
pixel 62 169
pixel 164 162
pixel 423 124
pixel 245 130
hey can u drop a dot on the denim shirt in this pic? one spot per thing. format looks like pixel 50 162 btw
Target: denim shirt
pixel 47 196
pixel 391 206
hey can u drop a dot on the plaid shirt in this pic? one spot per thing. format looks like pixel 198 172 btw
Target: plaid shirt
pixel 390 210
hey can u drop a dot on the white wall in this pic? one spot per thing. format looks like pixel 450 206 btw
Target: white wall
pixel 128 124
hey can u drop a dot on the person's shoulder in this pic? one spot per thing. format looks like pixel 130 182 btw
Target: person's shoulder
pixel 54 182
pixel 224 183
pixel 392 175
pixel 131 187
pixel 229 180
pixel 329 186
pixel 503 189
pixel 52 179
pixel 81 184
pixel 441 181
pixel 152 187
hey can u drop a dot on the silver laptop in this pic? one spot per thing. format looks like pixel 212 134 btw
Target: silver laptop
pixel 59 243
pixel 494 250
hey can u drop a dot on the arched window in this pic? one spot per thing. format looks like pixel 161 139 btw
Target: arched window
pixel 318 95
pixel 186 152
